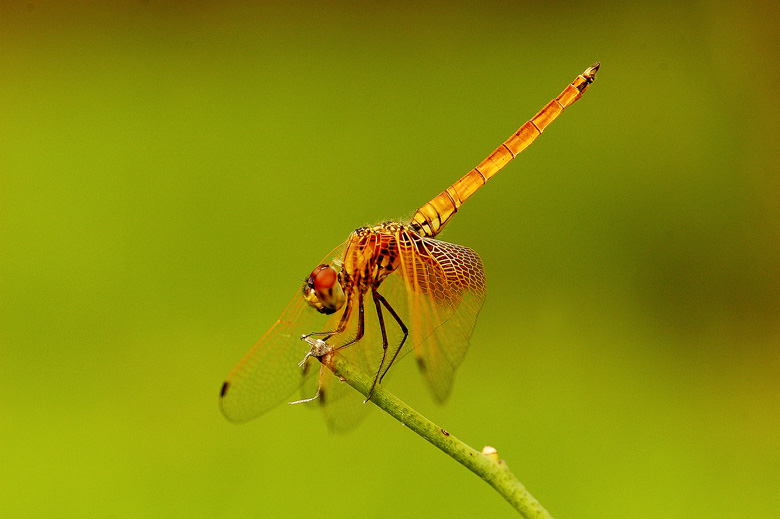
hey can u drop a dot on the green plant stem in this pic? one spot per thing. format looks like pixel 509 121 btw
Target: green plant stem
pixel 495 473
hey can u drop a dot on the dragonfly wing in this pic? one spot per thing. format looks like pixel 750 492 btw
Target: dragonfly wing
pixel 343 407
pixel 340 404
pixel 445 288
pixel 269 373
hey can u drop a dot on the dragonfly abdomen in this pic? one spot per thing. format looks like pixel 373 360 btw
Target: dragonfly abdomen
pixel 430 219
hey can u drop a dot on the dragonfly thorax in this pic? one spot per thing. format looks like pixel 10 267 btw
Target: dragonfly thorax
pixel 371 255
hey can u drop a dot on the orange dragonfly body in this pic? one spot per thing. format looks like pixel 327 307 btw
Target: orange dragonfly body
pixel 389 289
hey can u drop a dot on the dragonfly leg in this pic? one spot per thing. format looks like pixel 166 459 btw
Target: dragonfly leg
pixel 342 323
pixel 361 325
pixel 384 341
pixel 404 329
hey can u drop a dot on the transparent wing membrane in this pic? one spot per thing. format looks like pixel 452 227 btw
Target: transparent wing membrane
pixel 269 374
pixel 445 285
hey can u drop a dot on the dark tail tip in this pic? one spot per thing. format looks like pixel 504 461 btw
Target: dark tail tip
pixel 590 73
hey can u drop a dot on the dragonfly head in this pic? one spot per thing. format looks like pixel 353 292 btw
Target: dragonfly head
pixel 323 290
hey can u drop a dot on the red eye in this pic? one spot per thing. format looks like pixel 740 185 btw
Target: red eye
pixel 326 278
pixel 323 290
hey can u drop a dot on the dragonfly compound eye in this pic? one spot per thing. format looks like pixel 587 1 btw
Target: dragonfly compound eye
pixel 323 290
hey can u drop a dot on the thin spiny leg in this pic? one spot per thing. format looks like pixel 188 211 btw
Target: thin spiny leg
pixel 384 341
pixel 404 329
pixel 361 324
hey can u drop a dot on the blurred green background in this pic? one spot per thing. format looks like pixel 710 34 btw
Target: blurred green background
pixel 169 171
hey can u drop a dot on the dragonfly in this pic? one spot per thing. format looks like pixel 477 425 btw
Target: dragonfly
pixel 388 290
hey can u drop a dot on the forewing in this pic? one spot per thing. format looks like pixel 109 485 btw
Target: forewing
pixel 269 373
pixel 445 287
